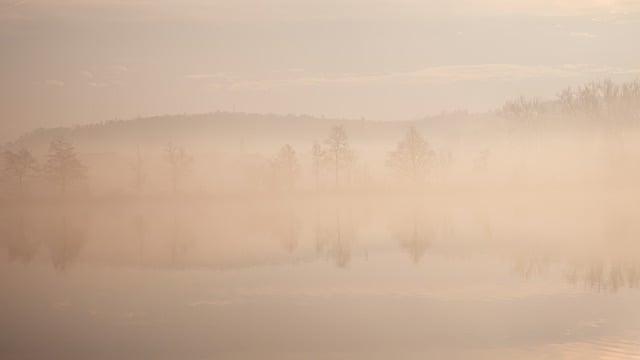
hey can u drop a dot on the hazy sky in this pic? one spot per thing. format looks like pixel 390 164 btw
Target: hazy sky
pixel 79 61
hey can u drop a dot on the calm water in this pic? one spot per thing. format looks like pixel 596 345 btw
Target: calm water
pixel 523 278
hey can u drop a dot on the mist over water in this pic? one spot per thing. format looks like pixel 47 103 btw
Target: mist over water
pixel 323 277
pixel 513 235
pixel 259 180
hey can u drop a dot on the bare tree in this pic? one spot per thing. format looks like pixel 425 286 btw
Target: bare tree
pixel 179 162
pixel 285 167
pixel 338 150
pixel 63 164
pixel 568 102
pixel 18 165
pixel 523 109
pixel 602 99
pixel 412 156
pixel 317 160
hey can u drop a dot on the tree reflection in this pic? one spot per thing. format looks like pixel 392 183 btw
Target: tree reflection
pixel 415 237
pixel 66 239
pixel 531 266
pixel 19 238
pixel 181 239
pixel 140 229
pixel 286 229
pixel 334 240
pixel 605 276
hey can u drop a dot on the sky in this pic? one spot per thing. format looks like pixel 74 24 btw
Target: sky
pixel 67 62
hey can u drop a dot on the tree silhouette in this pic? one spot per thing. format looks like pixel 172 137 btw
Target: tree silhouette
pixel 602 99
pixel 338 150
pixel 317 160
pixel 18 165
pixel 524 109
pixel 179 162
pixel 285 167
pixel 412 156
pixel 63 164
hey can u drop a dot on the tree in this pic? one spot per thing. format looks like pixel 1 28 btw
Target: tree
pixel 338 150
pixel 179 162
pixel 63 164
pixel 412 156
pixel 568 102
pixel 19 165
pixel 317 160
pixel 524 110
pixel 285 167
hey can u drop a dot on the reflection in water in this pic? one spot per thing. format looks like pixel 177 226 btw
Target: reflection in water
pixel 166 236
pixel 531 265
pixel 65 240
pixel 286 229
pixel 605 276
pixel 19 238
pixel 180 241
pixel 140 229
pixel 415 236
pixel 367 308
pixel 335 239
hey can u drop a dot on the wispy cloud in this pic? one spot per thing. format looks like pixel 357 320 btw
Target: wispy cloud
pixel 583 35
pixel 204 76
pixel 442 74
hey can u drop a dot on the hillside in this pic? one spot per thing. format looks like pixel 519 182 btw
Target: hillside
pixel 251 132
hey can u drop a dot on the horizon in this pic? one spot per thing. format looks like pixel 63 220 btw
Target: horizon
pixel 73 62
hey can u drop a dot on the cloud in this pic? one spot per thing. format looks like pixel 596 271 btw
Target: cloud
pixel 442 75
pixel 583 35
pixel 204 76
pixel 214 81
pixel 54 83
pixel 97 84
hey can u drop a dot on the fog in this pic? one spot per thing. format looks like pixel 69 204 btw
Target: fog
pixel 343 237
pixel 582 141
pixel 319 180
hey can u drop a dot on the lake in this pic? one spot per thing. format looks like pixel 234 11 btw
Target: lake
pixel 466 276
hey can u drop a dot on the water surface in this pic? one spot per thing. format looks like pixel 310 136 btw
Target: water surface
pixel 359 278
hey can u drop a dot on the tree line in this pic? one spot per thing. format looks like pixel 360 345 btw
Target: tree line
pixel 602 99
pixel 62 166
pixel 412 159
